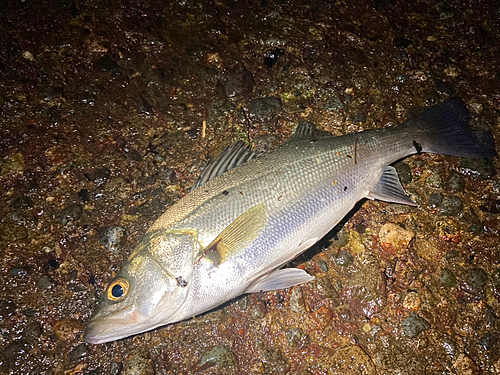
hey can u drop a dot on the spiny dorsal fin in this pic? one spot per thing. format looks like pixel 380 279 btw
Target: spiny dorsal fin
pixel 306 130
pixel 238 235
pixel 389 189
pixel 233 156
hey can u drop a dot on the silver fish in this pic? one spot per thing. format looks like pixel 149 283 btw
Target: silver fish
pixel 232 234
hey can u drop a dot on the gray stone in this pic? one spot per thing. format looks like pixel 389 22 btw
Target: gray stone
pixel 455 182
pixel 73 212
pixel 294 335
pixel 78 353
pixel 481 168
pixel 404 172
pixel 476 282
pixel 334 104
pixel 111 237
pixel 448 278
pixel 414 325
pixel 452 206
pixel 344 258
pixel 220 356
pixel 264 108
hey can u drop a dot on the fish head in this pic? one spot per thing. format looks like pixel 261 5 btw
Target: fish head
pixel 145 294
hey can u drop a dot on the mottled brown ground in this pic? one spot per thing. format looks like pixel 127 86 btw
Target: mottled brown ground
pixel 110 109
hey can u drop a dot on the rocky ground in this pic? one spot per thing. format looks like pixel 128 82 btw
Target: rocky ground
pixel 109 111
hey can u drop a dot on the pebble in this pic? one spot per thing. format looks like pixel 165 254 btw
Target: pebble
pixel 293 335
pixel 334 104
pixel 475 282
pixel 412 301
pixel 435 200
pixel 402 42
pixel 272 57
pixel 455 182
pixel 393 238
pixel 413 325
pixel 31 332
pixel 344 258
pixel 448 278
pixel 45 282
pixel 7 308
pixel 450 347
pixel 21 218
pixel 111 237
pixel 480 168
pixel 273 362
pixel 265 143
pixel 365 290
pixel 133 154
pixel 359 117
pixel 101 176
pixel 434 180
pixel 78 353
pixel 264 108
pixel 14 352
pixel 236 84
pixel 443 88
pixel 491 205
pixel 465 365
pixel 49 93
pixel 73 212
pixel 404 172
pixel 67 329
pixel 23 202
pixel 452 206
pixel 243 302
pixel 138 363
pixel 18 271
pixel 488 341
pixel 106 64
pixel 84 195
pixel 351 360
pixel 256 312
pixel 491 317
pixel 431 97
pixel 116 368
pixel 297 301
pixel 323 266
pixel 220 356
pixel 144 106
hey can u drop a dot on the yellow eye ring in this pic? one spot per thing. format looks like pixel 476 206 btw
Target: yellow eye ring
pixel 117 289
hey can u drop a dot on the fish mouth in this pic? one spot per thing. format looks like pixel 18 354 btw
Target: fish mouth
pixel 114 327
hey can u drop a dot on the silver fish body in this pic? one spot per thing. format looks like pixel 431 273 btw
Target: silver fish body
pixel 233 234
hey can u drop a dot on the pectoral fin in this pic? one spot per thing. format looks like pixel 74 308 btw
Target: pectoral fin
pixel 238 235
pixel 280 279
pixel 389 189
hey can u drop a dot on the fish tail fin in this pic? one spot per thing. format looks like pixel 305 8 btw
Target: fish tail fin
pixel 445 129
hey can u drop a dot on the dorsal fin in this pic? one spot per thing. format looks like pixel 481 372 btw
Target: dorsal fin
pixel 306 130
pixel 233 156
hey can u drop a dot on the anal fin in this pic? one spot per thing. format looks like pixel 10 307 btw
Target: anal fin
pixel 389 189
pixel 280 279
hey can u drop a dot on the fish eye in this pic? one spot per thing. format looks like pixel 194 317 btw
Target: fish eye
pixel 117 289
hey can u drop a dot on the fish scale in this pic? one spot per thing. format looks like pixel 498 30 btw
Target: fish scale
pixel 232 234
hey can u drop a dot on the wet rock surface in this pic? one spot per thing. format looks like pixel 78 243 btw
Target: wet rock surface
pixel 109 111
pixel 414 325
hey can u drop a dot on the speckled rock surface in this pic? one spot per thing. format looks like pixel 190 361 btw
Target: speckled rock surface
pixel 109 111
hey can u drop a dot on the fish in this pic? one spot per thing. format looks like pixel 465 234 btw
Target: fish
pixel 250 214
